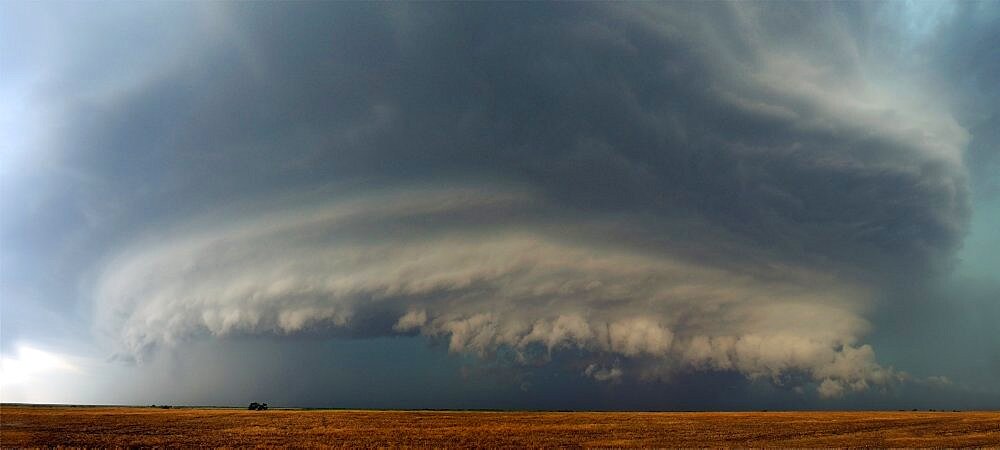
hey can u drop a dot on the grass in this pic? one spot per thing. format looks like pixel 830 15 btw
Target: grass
pixel 123 426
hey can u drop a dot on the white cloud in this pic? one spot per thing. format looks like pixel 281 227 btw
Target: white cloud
pixel 598 373
pixel 411 321
pixel 514 287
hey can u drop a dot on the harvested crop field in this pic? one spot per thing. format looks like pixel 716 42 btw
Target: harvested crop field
pixel 121 426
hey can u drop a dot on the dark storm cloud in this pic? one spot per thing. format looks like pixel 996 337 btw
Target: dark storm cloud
pixel 967 55
pixel 700 110
pixel 663 187
pixel 947 315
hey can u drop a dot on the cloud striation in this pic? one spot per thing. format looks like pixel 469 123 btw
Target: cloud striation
pixel 651 188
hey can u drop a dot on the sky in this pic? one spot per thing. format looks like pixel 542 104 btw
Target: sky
pixel 659 206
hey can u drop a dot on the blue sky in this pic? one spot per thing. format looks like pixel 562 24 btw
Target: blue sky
pixel 544 206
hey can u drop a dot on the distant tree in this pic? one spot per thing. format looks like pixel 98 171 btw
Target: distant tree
pixel 257 406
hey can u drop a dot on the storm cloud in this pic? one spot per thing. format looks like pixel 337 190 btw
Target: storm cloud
pixel 495 286
pixel 677 184
pixel 639 191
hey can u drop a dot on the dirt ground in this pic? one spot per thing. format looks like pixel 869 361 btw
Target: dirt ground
pixel 127 426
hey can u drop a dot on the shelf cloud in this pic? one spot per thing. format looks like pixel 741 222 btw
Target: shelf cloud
pixel 681 187
pixel 633 190
pixel 527 280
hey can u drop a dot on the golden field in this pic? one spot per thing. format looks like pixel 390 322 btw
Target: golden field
pixel 127 426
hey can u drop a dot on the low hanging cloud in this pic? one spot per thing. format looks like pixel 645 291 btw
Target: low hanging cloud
pixel 658 188
pixel 484 288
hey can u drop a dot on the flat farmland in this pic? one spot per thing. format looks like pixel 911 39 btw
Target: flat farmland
pixel 128 426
